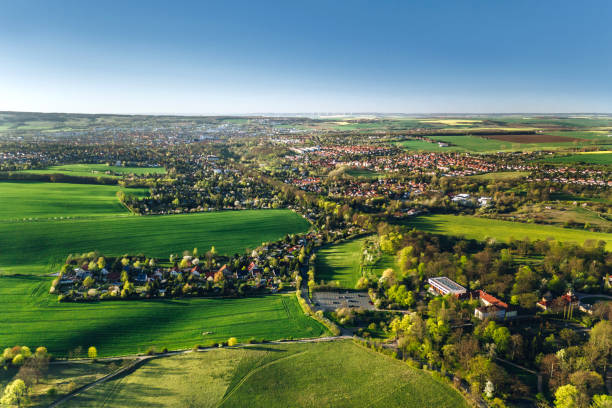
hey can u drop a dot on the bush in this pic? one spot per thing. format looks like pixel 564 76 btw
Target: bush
pixel 151 351
pixel 52 392
pixel 232 341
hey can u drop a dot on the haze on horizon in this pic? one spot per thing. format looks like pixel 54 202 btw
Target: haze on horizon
pixel 239 57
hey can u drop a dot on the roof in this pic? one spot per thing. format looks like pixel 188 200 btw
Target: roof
pixel 492 299
pixel 447 284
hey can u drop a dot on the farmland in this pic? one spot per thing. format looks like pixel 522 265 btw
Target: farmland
pixel 340 263
pixel 32 317
pixel 481 228
pixel 27 246
pixel 34 200
pixel 501 175
pixel 316 374
pixel 96 170
pixel 603 158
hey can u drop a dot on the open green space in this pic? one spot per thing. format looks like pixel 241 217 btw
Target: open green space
pixel 327 374
pixel 364 173
pixel 340 263
pixel 96 170
pixel 34 246
pixel 30 316
pixel 482 228
pixel 601 158
pixel 501 175
pixel 31 199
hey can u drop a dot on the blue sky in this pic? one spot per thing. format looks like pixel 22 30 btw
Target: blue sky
pixel 308 56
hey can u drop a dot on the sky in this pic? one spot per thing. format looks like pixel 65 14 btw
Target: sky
pixel 238 57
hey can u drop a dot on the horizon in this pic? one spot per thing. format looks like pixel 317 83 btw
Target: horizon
pixel 209 59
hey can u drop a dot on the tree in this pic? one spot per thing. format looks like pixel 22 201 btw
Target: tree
pixel 16 393
pixel 602 401
pixel 232 341
pixel 92 352
pixel 88 282
pixel 501 337
pixel 566 396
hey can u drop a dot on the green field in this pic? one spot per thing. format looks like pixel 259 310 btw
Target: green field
pixel 329 374
pixel 24 200
pixel 96 170
pixel 481 228
pixel 364 173
pixel 32 317
pixel 33 246
pixel 340 262
pixel 601 158
pixel 501 175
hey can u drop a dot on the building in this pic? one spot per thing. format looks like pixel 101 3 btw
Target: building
pixel 444 286
pixel 492 307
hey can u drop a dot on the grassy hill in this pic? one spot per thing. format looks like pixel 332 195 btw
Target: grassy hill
pixel 32 317
pixel 24 199
pixel 288 375
pixel 481 228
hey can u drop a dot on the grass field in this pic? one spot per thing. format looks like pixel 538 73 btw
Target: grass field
pixel 24 200
pixel 32 317
pixel 33 246
pixel 603 158
pixel 481 228
pixel 364 173
pixel 288 375
pixel 501 175
pixel 96 170
pixel 340 262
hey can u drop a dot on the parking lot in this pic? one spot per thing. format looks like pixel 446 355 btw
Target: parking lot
pixel 334 300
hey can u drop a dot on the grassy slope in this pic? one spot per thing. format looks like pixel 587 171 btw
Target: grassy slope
pixel 480 228
pixel 32 317
pixel 340 262
pixel 89 170
pixel 48 242
pixel 24 199
pixel 501 175
pixel 297 375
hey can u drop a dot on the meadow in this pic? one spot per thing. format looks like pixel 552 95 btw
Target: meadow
pixel 38 245
pixel 501 175
pixel 32 317
pixel 603 158
pixel 340 263
pixel 24 200
pixel 297 375
pixel 483 228
pixel 96 170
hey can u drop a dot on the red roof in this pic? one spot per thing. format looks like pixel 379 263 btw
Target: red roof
pixel 492 299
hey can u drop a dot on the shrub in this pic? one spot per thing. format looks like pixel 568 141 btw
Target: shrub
pixel 232 341
pixel 52 392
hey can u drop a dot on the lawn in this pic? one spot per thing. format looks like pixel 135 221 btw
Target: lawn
pixel 340 262
pixel 333 374
pixel 32 317
pixel 481 228
pixel 31 199
pixel 96 170
pixel 27 245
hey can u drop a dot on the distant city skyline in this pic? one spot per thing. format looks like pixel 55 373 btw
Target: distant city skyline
pixel 239 57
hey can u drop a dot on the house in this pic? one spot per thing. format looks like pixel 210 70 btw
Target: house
pixel 492 308
pixel 463 199
pixel 444 286
pixel 484 201
pixel 569 299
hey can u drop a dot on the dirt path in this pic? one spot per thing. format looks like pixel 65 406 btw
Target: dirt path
pixel 140 360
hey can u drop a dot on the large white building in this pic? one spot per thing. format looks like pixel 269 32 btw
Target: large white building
pixel 445 286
